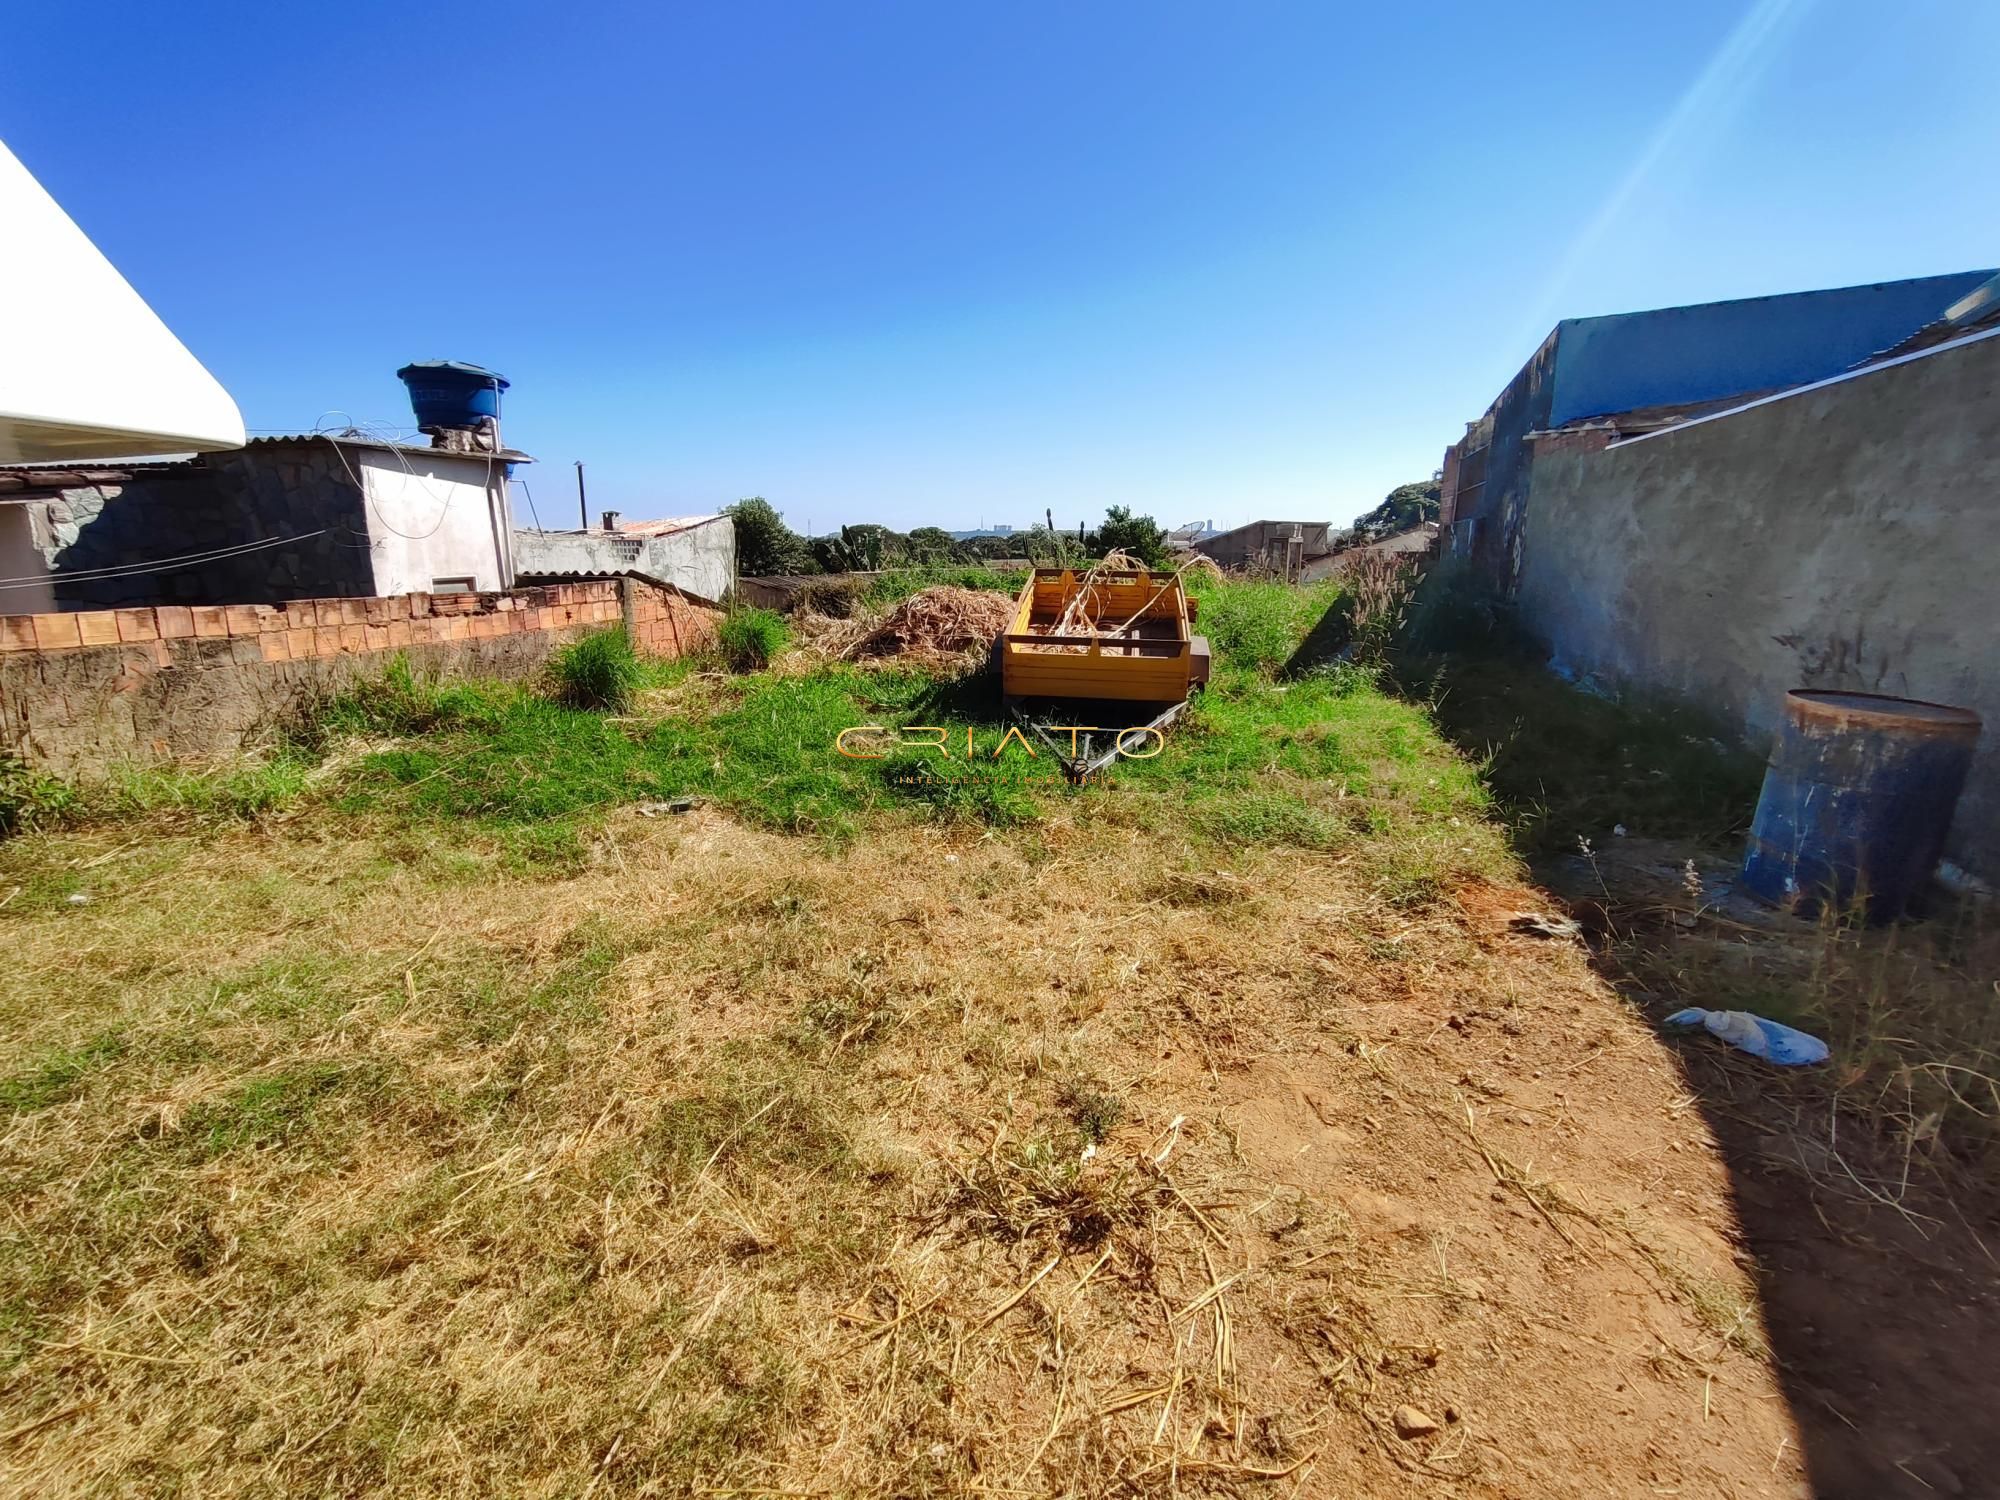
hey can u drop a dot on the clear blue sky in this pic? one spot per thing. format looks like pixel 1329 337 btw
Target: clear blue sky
pixel 944 262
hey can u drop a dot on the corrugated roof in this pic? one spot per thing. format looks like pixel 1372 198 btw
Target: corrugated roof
pixel 362 440
pixel 17 477
pixel 663 528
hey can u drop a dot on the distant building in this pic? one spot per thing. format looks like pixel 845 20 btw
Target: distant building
pixel 695 555
pixel 970 536
pixel 1415 542
pixel 1185 538
pixel 1281 548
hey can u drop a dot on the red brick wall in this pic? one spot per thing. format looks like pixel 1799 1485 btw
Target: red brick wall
pixel 664 624
pixel 668 624
pixel 81 690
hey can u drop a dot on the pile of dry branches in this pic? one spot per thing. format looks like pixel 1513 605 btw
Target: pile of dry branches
pixel 937 626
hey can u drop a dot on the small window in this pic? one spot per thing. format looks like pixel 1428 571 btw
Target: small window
pixel 454 585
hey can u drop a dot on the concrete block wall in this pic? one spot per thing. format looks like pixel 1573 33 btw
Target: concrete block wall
pixel 83 690
pixel 1840 536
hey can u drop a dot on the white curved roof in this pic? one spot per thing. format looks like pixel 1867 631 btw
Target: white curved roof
pixel 87 370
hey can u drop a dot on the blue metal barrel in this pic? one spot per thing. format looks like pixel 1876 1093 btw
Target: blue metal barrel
pixel 447 393
pixel 1857 800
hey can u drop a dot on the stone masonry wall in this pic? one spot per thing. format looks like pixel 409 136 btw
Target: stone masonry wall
pixel 225 500
pixel 83 690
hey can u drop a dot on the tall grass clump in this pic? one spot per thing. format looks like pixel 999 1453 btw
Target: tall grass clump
pixel 242 789
pixel 600 671
pixel 751 638
pixel 1455 607
pixel 31 798
pixel 1257 625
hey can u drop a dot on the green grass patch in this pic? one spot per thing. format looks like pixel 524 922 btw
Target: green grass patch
pixel 1310 761
pixel 243 789
pixel 1564 764
pixel 279 1109
pixel 58 1076
pixel 750 639
pixel 600 671
pixel 32 799
pixel 1257 625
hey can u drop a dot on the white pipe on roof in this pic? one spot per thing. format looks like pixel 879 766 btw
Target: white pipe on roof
pixel 87 369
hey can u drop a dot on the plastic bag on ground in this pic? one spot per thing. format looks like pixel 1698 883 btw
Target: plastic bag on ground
pixel 1769 1040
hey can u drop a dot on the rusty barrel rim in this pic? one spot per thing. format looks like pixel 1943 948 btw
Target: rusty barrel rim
pixel 1823 709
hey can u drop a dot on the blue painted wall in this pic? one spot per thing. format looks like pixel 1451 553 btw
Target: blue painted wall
pixel 1717 349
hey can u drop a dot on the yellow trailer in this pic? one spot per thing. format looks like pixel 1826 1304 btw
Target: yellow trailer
pixel 1104 636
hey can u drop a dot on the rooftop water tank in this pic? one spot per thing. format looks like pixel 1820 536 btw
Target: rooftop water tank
pixel 449 393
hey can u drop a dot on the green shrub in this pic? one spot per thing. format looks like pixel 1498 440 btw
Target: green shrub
pixel 1257 625
pixel 29 797
pixel 599 671
pixel 751 638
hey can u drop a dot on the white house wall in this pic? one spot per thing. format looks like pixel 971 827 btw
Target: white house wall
pixel 699 560
pixel 436 517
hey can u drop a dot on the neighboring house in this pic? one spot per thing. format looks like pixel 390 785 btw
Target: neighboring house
pixel 311 516
pixel 694 554
pixel 1417 541
pixel 1640 371
pixel 1190 536
pixel 1282 548
pixel 1837 534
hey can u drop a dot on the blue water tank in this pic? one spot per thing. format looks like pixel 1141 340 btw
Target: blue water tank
pixel 448 393
pixel 1857 801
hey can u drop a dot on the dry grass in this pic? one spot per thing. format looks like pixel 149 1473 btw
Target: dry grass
pixel 341 1160
pixel 1912 1097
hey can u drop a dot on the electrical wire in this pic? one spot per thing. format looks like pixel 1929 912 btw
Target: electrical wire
pixel 381 435
pixel 531 502
pixel 158 565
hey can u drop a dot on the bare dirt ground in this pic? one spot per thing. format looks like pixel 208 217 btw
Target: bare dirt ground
pixel 1862 1201
pixel 1061 1163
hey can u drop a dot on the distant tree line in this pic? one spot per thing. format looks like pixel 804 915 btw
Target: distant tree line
pixel 766 546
